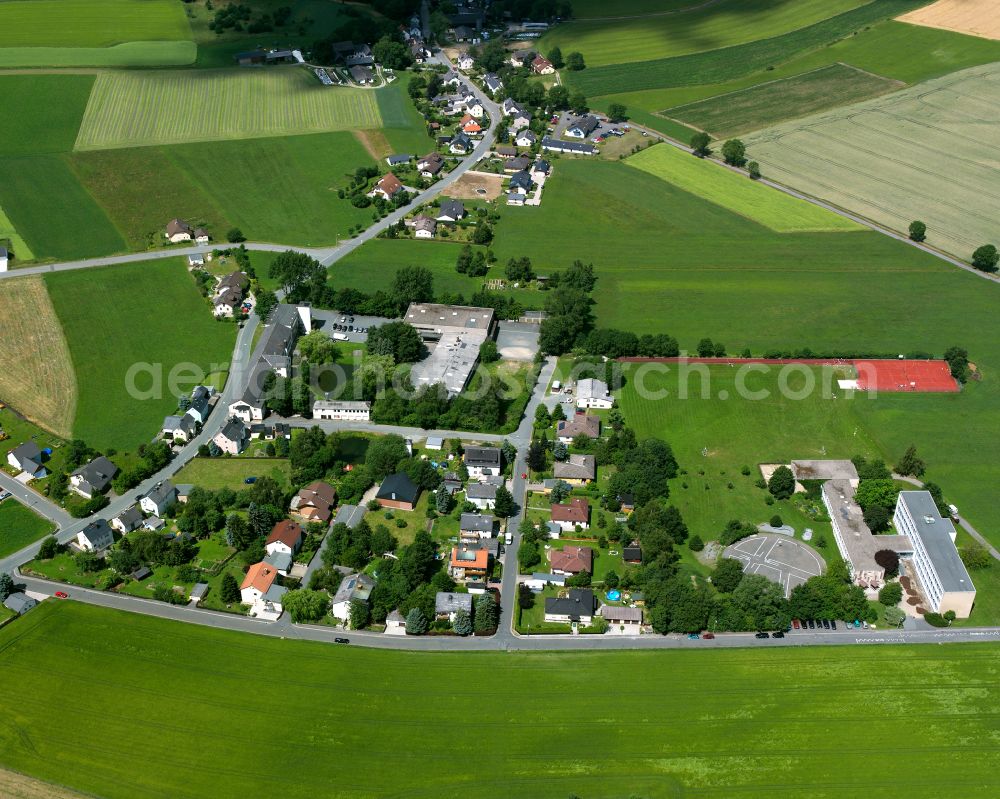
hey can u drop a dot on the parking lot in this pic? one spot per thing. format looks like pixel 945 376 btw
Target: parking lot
pixel 566 119
pixel 345 327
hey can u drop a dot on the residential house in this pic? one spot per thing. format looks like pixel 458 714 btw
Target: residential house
pixel 20 603
pixel 351 54
pixel 582 127
pixel 201 236
pixel 128 520
pixel 467 562
pixel 418 50
pixel 398 491
pixel 626 503
pixel 247 410
pixel 580 424
pixel 184 491
pixel 281 562
pixel 593 393
pixel 387 187
pixel 520 58
pixel 273 353
pixel 200 404
pixel 521 182
pixel 539 580
pixel 262 592
pixel 398 159
pixel 460 144
pixel 514 165
pixel 518 121
pixel 511 108
pixel 475 108
pixel 451 483
pixel 447 604
pixel 286 537
pixel 27 458
pixel 451 78
pixel 95 536
pixel 179 428
pixel 469 125
pixel 476 526
pixel 577 606
pixel 505 150
pixel 314 502
pixel 572 560
pixel 540 169
pixel 451 211
pixel 198 593
pixel 571 147
pixel 526 138
pixel 492 83
pixel 622 621
pixel 342 410
pixel 198 259
pixel 465 61
pixel 424 227
pixel 395 624
pixel 159 498
pixel 430 164
pixel 483 461
pixel 516 199
pixel 233 437
pixel 178 230
pixel 542 66
pixel 632 553
pixel 577 470
pixel 569 515
pixel 363 76
pixel 353 588
pixel 93 478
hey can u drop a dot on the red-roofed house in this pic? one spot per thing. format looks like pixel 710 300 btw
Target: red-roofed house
pixel 572 560
pixel 285 538
pixel 542 66
pixel 261 592
pixel 315 502
pixel 388 187
pixel 575 512
pixel 469 125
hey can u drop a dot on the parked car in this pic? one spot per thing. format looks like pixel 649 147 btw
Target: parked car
pixel 249 480
pixel 342 640
pixel 62 594
pixel 833 625
pixel 796 624
pixel 762 635
pixel 694 636
pixel 778 634
pixel 826 624
pixel 708 636
pixel 812 624
pixel 4 495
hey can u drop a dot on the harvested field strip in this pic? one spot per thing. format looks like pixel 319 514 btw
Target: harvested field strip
pixel 128 54
pixel 788 98
pixel 18 786
pixel 18 245
pixel 90 23
pixel 728 63
pixel 925 153
pixel 974 17
pixel 132 109
pixel 36 371
pixel 762 204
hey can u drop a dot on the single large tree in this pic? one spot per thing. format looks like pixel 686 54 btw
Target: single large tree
pixel 734 152
pixel 229 589
pixel 416 622
pixel 918 230
pixel 699 144
pixel 505 506
pixel 6 586
pixel 985 258
pixel 727 575
pixel 486 615
pixel 910 464
pixel 617 112
pixel 413 284
pixel 782 483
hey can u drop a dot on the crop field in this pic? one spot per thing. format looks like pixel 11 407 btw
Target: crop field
pixel 590 9
pixel 402 125
pixel 20 526
pixel 751 109
pixel 36 373
pixel 51 210
pixel 682 739
pixel 216 473
pixel 778 211
pixel 49 111
pixel 131 109
pixel 90 23
pixel 729 62
pixel 16 246
pixel 128 54
pixel 118 316
pixel 297 203
pixel 924 153
pixel 976 17
pixel 699 28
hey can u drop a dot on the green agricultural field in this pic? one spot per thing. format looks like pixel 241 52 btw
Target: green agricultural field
pixel 923 153
pixel 709 66
pixel 771 208
pixel 20 526
pixel 130 109
pixel 403 126
pixel 751 109
pixel 49 109
pixel 216 473
pixel 52 212
pixel 91 23
pixel 664 736
pixel 589 9
pixel 702 27
pixel 128 54
pixel 118 316
pixel 14 243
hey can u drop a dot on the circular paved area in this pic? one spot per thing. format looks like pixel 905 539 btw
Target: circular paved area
pixel 778 558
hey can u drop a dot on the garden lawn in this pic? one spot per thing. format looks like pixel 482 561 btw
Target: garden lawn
pixel 416 519
pixel 770 207
pixel 680 738
pixel 144 313
pixel 216 473
pixel 20 526
pixel 603 561
pixel 90 23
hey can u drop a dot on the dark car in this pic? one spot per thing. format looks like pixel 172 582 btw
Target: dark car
pixel 350 328
pixel 342 640
pixel 833 625
pixel 812 624
pixel 708 636
pixel 249 480
pixel 826 624
pixel 763 635
pixel 778 634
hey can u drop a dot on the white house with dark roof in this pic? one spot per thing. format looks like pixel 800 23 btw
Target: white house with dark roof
pixel 526 138
pixel 128 520
pixel 93 478
pixel 492 83
pixel 233 437
pixel 354 587
pixel 95 536
pixel 451 211
pixel 476 526
pixel 27 458
pixel 593 393
pixel 179 428
pixel 582 127
pixel 483 461
pixel 159 498
pixel 447 604
pixel 482 495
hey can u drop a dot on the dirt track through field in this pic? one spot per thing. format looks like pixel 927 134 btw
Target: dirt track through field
pixel 17 786
pixel 974 17
pixel 36 372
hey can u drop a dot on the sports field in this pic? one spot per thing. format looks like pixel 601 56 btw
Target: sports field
pixel 36 373
pixel 739 112
pixel 718 723
pixel 777 211
pixel 131 109
pixel 20 526
pixel 118 316
pixel 924 153
pixel 707 26
pixel 91 23
pixel 976 17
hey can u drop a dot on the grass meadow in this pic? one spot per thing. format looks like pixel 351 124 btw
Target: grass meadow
pixel 131 109
pixel 91 23
pixel 717 723
pixel 49 109
pixel 117 316
pixel 128 54
pixel 216 473
pixel 20 526
pixel 922 153
pixel 735 192
pixel 738 112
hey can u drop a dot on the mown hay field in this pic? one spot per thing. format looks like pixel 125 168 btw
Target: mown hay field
pixel 132 109
pixel 36 372
pixel 928 153
pixel 787 98
pixel 127 54
pixel 769 207
pixel 685 723
pixel 975 17
pixel 707 26
pixel 91 23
